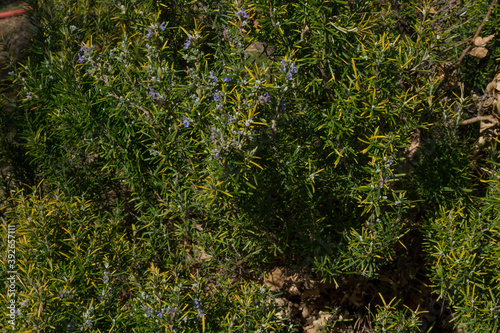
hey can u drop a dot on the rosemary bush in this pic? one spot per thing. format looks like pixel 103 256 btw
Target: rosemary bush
pixel 186 147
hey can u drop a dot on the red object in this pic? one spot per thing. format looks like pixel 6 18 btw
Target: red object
pixel 13 13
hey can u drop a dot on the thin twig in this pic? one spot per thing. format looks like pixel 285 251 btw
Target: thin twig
pixel 458 44
pixel 479 118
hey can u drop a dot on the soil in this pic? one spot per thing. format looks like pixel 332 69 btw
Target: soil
pixel 348 307
pixel 15 36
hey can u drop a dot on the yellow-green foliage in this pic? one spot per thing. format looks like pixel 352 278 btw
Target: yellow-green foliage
pixel 59 258
pixel 389 318
pixel 79 270
pixel 464 247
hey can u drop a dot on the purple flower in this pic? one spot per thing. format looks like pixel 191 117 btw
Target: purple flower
pixel 106 278
pixel 212 136
pixel 149 47
pixel 154 94
pixel 229 118
pixel 390 161
pixel 90 323
pixel 188 41
pixel 267 97
pixel 283 105
pixel 291 71
pixel 162 26
pixel 226 33
pixel 196 303
pixel 148 314
pixel 383 181
pixel 213 77
pixel 283 65
pixel 149 34
pixel 80 59
pixel 242 13
pixel 216 153
pixel 226 79
pixel 216 96
pixel 186 122
pixel 159 314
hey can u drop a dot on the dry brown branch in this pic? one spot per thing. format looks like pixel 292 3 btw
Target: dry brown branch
pixel 478 118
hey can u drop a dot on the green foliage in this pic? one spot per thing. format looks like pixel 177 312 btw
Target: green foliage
pixel 391 319
pixel 187 146
pixel 79 270
pixel 463 246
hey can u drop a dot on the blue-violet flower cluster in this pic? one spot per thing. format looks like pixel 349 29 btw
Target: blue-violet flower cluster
pixel 85 51
pixel 292 70
pixel 154 94
pixel 188 42
pixel 197 306
pixel 213 77
pixel 242 13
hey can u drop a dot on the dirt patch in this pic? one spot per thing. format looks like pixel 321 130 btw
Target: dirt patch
pixel 348 304
pixel 15 35
pixel 259 51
